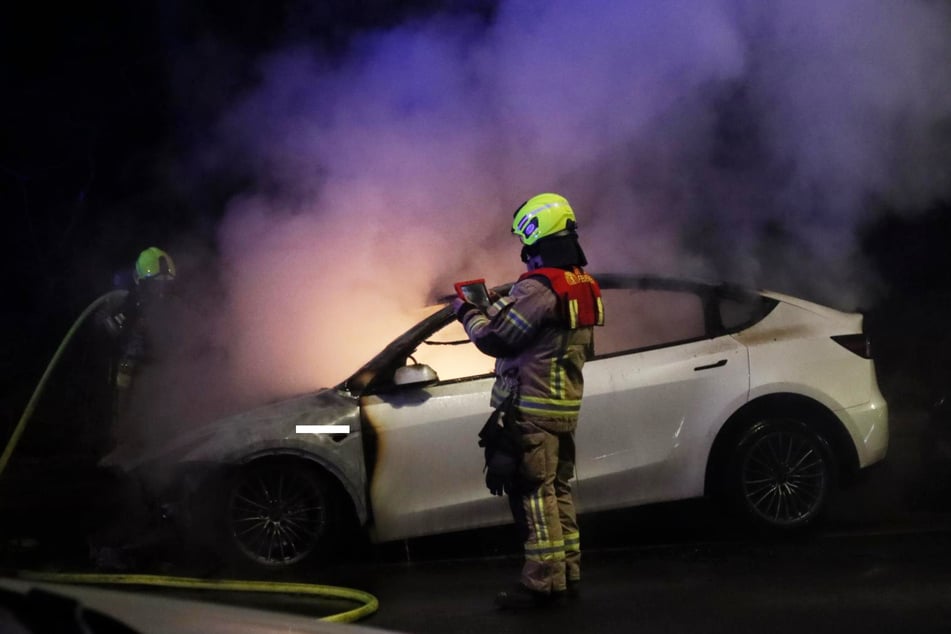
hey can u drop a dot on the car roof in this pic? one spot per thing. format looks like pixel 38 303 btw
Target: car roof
pixel 400 347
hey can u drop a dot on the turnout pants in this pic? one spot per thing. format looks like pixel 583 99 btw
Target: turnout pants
pixel 544 510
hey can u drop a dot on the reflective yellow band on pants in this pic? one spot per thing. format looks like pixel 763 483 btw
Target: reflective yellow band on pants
pixel 549 407
pixel 573 542
pixel 545 551
pixel 539 526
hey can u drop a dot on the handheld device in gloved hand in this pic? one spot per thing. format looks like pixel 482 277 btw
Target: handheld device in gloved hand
pixel 474 292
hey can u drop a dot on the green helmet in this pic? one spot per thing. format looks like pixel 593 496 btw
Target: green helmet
pixel 542 216
pixel 153 262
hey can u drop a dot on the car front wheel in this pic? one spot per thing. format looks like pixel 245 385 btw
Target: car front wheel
pixel 781 474
pixel 276 515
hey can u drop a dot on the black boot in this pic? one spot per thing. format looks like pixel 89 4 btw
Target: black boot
pixel 521 598
pixel 574 589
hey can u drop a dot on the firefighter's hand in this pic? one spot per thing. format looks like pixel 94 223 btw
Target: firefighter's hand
pixel 461 308
pixel 114 324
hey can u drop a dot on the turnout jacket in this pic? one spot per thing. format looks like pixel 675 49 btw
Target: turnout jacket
pixel 539 356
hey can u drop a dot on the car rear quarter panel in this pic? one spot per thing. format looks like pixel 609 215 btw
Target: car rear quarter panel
pixel 792 351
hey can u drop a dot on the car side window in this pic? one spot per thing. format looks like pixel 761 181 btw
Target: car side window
pixel 450 353
pixel 743 310
pixel 643 318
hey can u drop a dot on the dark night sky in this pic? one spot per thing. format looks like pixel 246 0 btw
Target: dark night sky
pixel 104 105
pixel 90 133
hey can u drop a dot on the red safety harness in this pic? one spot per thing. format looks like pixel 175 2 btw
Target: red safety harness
pixel 579 296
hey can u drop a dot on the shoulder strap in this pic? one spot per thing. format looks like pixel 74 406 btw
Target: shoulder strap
pixel 579 296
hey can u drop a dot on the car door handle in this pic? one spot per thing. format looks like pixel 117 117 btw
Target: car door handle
pixel 718 364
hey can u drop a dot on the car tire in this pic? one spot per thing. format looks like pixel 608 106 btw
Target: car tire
pixel 781 474
pixel 275 515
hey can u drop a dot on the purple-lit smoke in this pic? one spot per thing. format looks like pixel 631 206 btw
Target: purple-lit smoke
pixel 736 139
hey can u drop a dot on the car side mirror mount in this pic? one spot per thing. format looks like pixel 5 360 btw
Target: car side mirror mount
pixel 415 374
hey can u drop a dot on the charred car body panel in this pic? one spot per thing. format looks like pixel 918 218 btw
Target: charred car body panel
pixel 269 430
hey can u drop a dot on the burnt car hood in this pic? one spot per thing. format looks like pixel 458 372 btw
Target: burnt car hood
pixel 237 438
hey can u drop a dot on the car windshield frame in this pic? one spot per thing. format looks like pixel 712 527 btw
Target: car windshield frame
pixel 396 352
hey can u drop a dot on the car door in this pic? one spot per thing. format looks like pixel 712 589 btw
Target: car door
pixel 654 396
pixel 426 476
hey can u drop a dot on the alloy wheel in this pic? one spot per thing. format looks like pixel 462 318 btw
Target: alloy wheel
pixel 277 514
pixel 784 477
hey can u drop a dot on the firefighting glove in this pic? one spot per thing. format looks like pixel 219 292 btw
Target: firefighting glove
pixel 461 308
pixel 500 468
pixel 495 483
pixel 115 323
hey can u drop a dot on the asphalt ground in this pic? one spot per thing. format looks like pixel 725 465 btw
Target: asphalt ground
pixel 880 562
pixel 898 582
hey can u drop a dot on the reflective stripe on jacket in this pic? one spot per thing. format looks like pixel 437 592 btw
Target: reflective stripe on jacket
pixel 536 352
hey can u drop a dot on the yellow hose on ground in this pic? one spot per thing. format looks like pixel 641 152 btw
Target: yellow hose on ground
pixel 370 603
pixel 368 607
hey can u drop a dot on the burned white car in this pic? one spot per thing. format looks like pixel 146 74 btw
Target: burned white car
pixel 762 400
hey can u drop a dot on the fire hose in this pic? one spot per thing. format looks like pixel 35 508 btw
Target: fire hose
pixel 369 603
pixel 38 391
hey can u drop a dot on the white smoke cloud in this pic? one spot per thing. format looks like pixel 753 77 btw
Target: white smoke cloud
pixel 743 139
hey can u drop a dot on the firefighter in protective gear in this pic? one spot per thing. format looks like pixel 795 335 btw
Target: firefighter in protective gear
pixel 130 325
pixel 541 332
pixel 126 324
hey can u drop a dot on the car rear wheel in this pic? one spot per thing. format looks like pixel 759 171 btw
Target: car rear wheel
pixel 781 474
pixel 277 515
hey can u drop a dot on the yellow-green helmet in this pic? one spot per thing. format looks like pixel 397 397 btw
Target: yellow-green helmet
pixel 153 262
pixel 542 216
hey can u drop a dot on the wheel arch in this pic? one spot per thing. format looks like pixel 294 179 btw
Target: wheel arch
pixel 804 408
pixel 350 502
pixel 211 530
